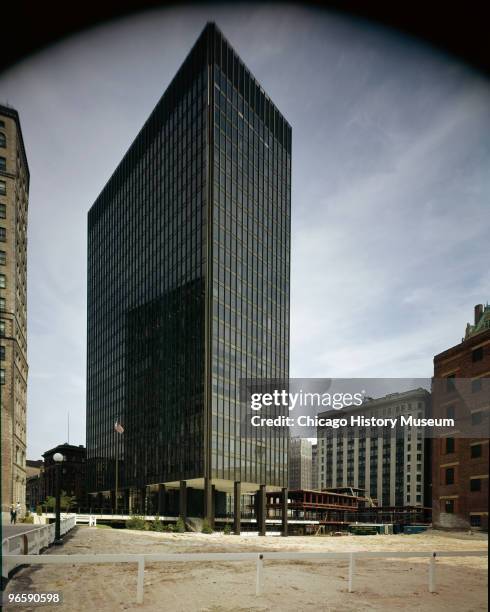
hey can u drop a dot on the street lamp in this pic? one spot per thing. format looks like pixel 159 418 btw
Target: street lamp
pixel 58 459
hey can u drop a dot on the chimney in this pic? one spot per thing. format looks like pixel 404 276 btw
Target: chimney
pixel 478 313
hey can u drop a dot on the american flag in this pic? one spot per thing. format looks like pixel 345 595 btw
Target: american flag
pixel 118 427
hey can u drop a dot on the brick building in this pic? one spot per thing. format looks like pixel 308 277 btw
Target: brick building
pixel 73 472
pixel 460 464
pixel 14 195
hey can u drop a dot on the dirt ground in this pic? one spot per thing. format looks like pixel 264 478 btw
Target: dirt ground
pixel 388 585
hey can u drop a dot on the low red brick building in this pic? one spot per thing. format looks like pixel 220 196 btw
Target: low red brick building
pixel 460 457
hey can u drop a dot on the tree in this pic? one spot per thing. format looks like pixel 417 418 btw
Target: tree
pixel 66 502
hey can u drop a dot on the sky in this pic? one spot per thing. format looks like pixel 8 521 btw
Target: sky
pixel 390 186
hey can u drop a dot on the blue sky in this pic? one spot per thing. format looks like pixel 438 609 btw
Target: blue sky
pixel 391 186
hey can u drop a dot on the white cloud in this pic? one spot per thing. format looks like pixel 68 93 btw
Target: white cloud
pixel 390 187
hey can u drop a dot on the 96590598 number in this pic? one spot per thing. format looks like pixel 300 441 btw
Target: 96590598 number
pixel 32 598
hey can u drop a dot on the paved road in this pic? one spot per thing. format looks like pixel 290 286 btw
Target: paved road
pixel 10 530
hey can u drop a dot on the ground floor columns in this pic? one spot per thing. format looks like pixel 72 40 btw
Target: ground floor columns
pixel 209 501
pixel 284 513
pixel 236 508
pixel 213 504
pixel 183 500
pixel 261 508
pixel 161 500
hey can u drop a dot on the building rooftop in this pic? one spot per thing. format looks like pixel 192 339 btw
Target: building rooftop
pixel 481 322
pixel 8 111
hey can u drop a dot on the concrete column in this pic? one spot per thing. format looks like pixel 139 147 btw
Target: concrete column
pixel 236 508
pixel 161 500
pixel 183 500
pixel 284 504
pixel 208 500
pixel 261 510
pixel 213 506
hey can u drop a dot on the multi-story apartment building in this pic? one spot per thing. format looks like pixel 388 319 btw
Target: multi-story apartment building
pixel 460 464
pixel 300 463
pixel 314 467
pixel 188 293
pixel 391 465
pixel 14 196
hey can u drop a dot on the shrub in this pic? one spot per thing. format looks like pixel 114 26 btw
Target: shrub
pixel 169 528
pixel 179 525
pixel 28 518
pixel 227 530
pixel 39 510
pixel 206 527
pixel 158 525
pixel 135 522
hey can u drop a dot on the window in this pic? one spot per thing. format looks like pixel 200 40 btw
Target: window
pixel 476 418
pixel 3 188
pixel 419 498
pixel 3 211
pixel 2 303
pixel 476 385
pixel 449 476
pixel 3 258
pixel 449 506
pixel 2 376
pixel 450 382
pixel 3 164
pixel 3 234
pixel 3 281
pixel 2 123
pixel 2 353
pixel 475 520
pixel 2 329
pixel 3 140
pixel 451 412
pixel 449 445
pixel 475 484
pixel 477 354
pixel 476 451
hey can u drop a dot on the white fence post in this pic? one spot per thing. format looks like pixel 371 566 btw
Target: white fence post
pixel 37 542
pixel 352 569
pixel 140 585
pixel 5 555
pixel 259 583
pixel 432 573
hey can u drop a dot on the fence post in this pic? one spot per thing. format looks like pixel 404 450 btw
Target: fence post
pixel 25 544
pixel 141 580
pixel 259 583
pixel 352 569
pixel 432 573
pixel 5 562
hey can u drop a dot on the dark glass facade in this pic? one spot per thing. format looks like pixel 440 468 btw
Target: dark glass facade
pixel 188 283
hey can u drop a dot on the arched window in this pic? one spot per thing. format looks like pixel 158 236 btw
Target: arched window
pixel 3 140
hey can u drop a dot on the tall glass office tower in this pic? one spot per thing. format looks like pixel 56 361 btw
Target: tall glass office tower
pixel 188 292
